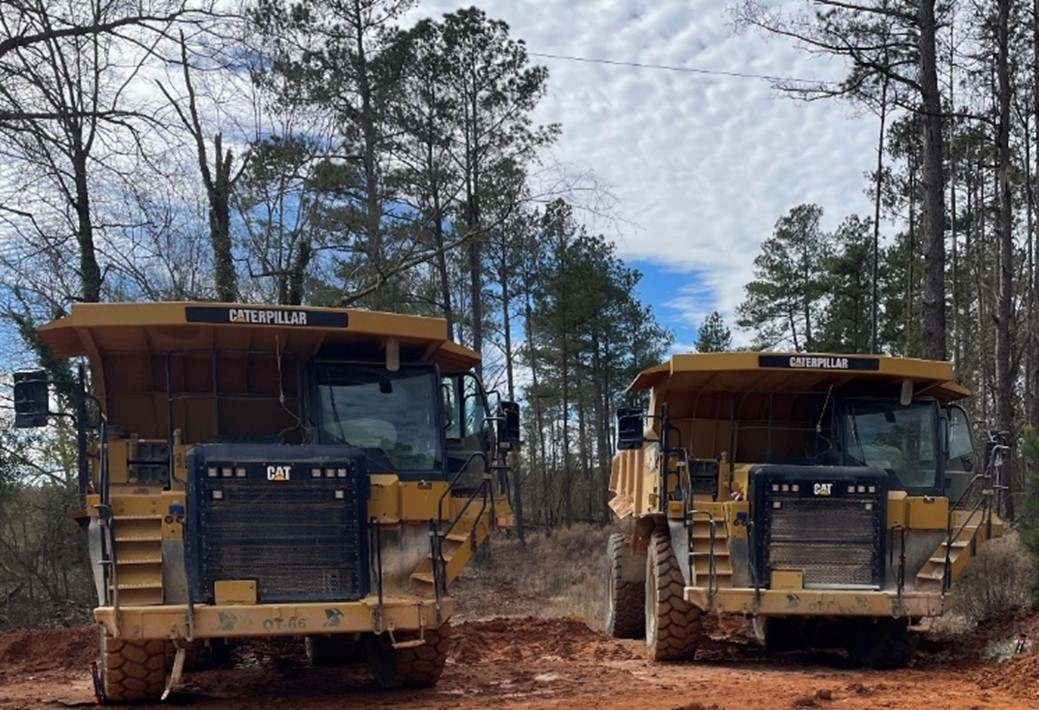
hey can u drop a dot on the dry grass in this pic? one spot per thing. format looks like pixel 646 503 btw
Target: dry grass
pixel 562 575
pixel 554 575
pixel 1001 578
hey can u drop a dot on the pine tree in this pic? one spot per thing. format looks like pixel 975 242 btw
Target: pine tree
pixel 713 336
pixel 845 324
pixel 783 299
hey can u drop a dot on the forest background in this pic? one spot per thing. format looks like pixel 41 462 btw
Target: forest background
pixel 364 153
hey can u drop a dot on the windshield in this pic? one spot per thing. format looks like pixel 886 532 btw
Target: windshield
pixel 898 439
pixel 392 413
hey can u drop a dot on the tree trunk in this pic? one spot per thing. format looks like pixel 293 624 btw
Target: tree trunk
pixel 298 273
pixel 372 201
pixel 219 194
pixel 473 218
pixel 1004 311
pixel 1033 330
pixel 539 419
pixel 568 481
pixel 445 282
pixel 874 343
pixel 602 426
pixel 582 441
pixel 908 348
pixel 957 325
pixel 89 271
pixel 933 316
pixel 506 301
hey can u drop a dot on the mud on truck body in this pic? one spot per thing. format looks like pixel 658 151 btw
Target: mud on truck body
pixel 275 471
pixel 832 498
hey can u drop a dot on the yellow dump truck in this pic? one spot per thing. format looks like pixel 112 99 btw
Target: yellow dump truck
pixel 252 470
pixel 832 498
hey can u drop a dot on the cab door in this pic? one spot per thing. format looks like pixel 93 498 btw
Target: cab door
pixel 467 428
pixel 960 457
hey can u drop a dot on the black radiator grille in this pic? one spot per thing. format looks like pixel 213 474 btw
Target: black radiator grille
pixel 830 540
pixel 827 523
pixel 296 540
pixel 301 539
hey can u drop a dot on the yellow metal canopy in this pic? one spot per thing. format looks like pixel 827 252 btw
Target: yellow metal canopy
pixel 717 373
pixel 226 368
pixel 100 329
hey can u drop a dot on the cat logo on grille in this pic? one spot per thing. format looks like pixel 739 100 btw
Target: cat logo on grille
pixel 823 489
pixel 279 473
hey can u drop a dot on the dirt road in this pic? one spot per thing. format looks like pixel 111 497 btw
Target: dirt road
pixel 552 663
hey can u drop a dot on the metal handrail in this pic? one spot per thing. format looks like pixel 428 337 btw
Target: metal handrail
pixel 438 554
pixel 375 541
pixel 983 505
pixel 752 556
pixel 454 479
pixel 900 572
pixel 484 490
pixel 106 520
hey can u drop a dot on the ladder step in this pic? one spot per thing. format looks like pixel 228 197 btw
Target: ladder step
pixel 142 575
pixel 140 597
pixel 140 585
pixel 130 560
pixel 456 537
pixel 425 577
pixel 448 556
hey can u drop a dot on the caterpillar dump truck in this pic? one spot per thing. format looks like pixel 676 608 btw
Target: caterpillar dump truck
pixel 254 470
pixel 834 499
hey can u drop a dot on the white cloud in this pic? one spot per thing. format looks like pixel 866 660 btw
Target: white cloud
pixel 702 165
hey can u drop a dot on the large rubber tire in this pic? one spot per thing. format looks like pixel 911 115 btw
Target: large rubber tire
pixel 411 667
pixel 882 644
pixel 133 671
pixel 673 625
pixel 625 600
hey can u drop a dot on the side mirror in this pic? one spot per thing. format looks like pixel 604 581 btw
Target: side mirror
pixel 509 424
pixel 30 399
pixel 630 429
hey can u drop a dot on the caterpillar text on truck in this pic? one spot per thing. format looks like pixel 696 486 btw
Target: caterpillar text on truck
pixel 275 471
pixel 835 499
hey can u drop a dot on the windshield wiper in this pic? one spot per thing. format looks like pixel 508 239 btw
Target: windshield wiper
pixel 335 411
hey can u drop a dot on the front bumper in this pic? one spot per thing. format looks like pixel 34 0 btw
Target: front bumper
pixel 227 620
pixel 817 602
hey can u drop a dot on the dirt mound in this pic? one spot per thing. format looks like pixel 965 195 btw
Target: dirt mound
pixel 1017 672
pixel 529 639
pixel 1019 677
pixel 42 650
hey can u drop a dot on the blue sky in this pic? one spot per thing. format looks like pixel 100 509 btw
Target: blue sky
pixel 660 287
pixel 701 166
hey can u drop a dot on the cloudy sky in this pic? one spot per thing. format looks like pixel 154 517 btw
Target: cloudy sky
pixel 702 165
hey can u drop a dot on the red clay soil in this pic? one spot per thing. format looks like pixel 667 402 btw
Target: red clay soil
pixel 557 664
